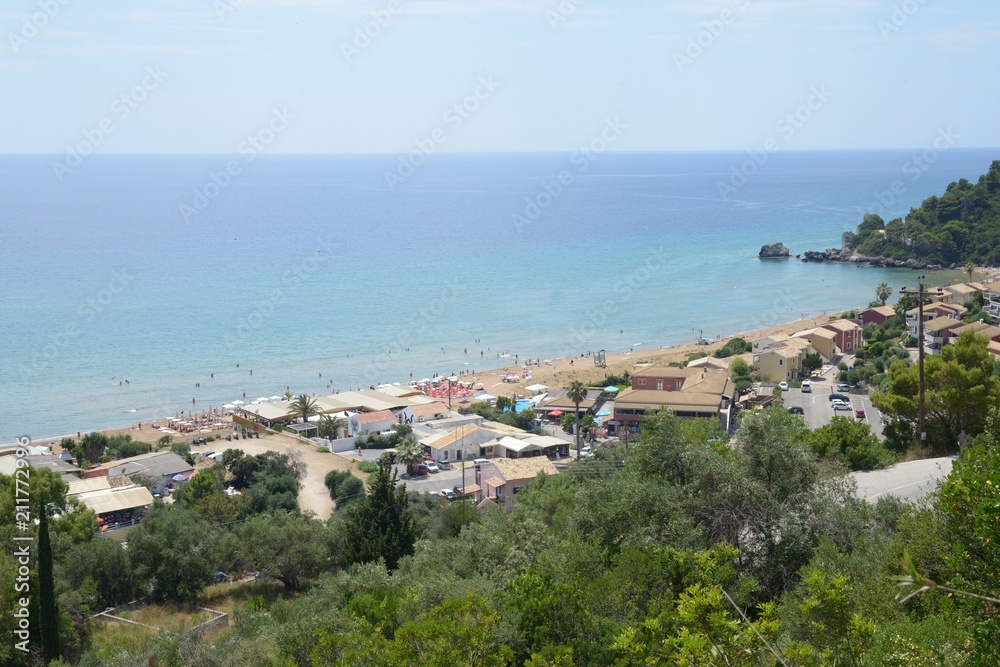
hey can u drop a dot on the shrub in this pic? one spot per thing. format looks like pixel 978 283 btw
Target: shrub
pixel 323 450
pixel 368 466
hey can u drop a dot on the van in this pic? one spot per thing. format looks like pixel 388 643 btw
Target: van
pixel 806 387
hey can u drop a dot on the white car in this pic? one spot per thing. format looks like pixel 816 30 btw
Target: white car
pixel 806 387
pixel 432 466
pixel 783 386
pixel 840 405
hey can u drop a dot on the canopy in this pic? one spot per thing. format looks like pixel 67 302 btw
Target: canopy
pixel 536 387
pixel 604 413
pixel 556 413
pixel 485 397
pixel 611 389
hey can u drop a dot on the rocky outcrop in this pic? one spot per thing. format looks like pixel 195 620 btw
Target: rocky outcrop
pixel 773 250
pixel 848 255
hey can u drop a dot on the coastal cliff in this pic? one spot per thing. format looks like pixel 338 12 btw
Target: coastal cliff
pixel 958 227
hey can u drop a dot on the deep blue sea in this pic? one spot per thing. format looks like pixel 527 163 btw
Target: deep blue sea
pixel 142 268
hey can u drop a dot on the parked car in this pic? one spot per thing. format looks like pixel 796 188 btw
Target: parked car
pixel 444 465
pixel 783 386
pixel 585 452
pixel 841 405
pixel 419 469
pixel 220 577
pixel 796 410
pixel 839 397
pixel 431 466
pixel 207 454
pixel 448 493
pixel 860 413
pixel 843 386
pixel 806 387
pixel 480 462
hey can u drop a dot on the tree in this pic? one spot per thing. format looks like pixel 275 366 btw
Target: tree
pixel 812 363
pixel 960 389
pixel 343 487
pixel 577 393
pixel 329 426
pixel 106 566
pixel 171 553
pixel 381 524
pixel 304 406
pixel 49 612
pixel 289 547
pixel 409 452
pixel 94 445
pixel 883 292
pixel 202 484
pixel 850 441
pixel 970 268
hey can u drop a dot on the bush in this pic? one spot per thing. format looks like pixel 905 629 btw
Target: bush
pixel 368 466
pixel 323 450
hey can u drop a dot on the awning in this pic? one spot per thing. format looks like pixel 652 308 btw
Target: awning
pixel 611 389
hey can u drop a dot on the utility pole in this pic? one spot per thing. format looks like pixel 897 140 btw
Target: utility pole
pixel 919 293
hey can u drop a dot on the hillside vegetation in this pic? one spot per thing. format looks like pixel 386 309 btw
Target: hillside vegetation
pixel 960 226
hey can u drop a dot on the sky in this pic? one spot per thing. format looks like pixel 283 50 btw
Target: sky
pixel 353 76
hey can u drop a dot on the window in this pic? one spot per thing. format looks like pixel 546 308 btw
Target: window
pixel 781 362
pixel 642 382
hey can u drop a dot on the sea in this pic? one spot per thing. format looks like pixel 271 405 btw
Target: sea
pixel 134 287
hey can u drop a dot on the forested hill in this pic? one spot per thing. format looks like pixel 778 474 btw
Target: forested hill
pixel 960 226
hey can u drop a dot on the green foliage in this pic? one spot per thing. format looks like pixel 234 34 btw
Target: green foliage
pixel 960 389
pixel 812 363
pixel 410 452
pixel 732 347
pixel 123 446
pixel 380 525
pixel 171 554
pixel 102 568
pixel 851 442
pixel 93 446
pixel 368 466
pixel 304 406
pixel 289 547
pixel 962 225
pixel 47 609
pixel 344 487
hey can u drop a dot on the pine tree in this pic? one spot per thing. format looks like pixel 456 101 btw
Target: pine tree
pixel 46 587
pixel 381 525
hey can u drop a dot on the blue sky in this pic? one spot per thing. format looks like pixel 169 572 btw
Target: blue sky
pixel 528 75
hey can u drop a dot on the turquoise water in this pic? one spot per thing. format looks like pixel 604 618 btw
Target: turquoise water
pixel 303 265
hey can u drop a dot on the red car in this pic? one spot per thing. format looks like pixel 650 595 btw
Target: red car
pixel 420 469
pixel 859 413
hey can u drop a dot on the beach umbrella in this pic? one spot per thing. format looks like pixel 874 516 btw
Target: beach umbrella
pixel 611 389
pixel 276 398
pixel 238 403
pixel 604 413
pixel 263 399
pixel 179 477
pixel 556 413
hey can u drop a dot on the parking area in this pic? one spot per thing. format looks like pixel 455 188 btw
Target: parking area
pixel 818 409
pixel 430 483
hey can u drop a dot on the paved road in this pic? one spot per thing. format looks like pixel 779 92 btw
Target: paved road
pixel 431 483
pixel 909 481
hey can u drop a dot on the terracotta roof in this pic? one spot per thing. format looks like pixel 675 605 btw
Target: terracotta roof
pixel 373 417
pixel 495 482
pixel 819 331
pixel 842 325
pixel 888 311
pixel 941 323
pixel 524 468
pixel 435 408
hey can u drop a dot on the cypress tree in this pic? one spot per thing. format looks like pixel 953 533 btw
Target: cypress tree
pixel 381 525
pixel 49 621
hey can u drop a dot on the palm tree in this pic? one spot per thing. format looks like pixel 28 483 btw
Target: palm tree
pixel 577 393
pixel 409 451
pixel 329 427
pixel 970 268
pixel 883 292
pixel 305 406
